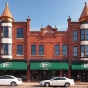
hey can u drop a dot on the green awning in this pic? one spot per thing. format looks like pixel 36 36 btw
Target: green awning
pixel 13 65
pixel 79 66
pixel 49 66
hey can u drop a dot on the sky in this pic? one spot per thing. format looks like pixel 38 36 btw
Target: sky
pixel 45 12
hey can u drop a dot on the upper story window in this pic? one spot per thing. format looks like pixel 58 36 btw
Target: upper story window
pixel 19 49
pixel 7 49
pixel 41 50
pixel 84 51
pixel 57 50
pixel 75 51
pixel 5 31
pixel 64 49
pixel 75 35
pixel 19 32
pixel 33 49
pixel 84 34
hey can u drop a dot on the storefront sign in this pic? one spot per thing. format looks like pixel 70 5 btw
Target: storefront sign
pixel 85 65
pixel 45 64
pixel 6 64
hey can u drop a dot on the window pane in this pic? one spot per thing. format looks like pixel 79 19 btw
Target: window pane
pixel 41 53
pixel 5 46
pixel 19 33
pixel 64 47
pixel 86 54
pixel 41 47
pixel 75 49
pixel 33 52
pixel 82 37
pixel 86 36
pixel 75 54
pixel 64 52
pixel 86 48
pixel 82 32
pixel 86 31
pixel 20 49
pixel 57 52
pixel 75 38
pixel 82 54
pixel 33 47
pixel 74 32
pixel 19 30
pixel 20 52
pixel 57 47
pixel 82 48
pixel 5 31
pixel 6 52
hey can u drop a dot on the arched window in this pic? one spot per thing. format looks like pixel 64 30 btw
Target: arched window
pixel 64 49
pixel 57 49
pixel 19 49
pixel 75 35
pixel 41 50
pixel 33 49
pixel 19 32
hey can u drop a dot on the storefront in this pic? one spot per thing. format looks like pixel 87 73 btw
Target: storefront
pixel 15 68
pixel 48 69
pixel 80 69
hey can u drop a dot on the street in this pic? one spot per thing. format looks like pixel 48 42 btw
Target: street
pixel 36 85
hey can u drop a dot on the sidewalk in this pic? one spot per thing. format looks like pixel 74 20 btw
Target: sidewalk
pixel 30 83
pixel 81 83
pixel 37 83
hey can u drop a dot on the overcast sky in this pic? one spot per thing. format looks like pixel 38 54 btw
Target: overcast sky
pixel 45 12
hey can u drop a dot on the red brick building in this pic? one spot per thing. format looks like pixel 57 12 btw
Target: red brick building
pixel 46 53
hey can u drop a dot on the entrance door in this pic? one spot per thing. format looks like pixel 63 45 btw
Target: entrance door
pixel 84 76
pixel 45 75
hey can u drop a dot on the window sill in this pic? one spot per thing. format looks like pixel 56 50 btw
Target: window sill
pixel 19 38
pixel 56 55
pixel 64 55
pixel 19 55
pixel 37 55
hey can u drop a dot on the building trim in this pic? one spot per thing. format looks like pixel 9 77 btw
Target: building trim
pixel 84 26
pixel 6 56
pixel 6 24
pixel 6 40
pixel 84 42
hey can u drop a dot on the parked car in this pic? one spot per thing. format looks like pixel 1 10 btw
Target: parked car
pixel 10 80
pixel 58 81
pixel 24 78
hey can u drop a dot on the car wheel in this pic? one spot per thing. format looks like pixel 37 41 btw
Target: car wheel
pixel 47 84
pixel 13 84
pixel 67 84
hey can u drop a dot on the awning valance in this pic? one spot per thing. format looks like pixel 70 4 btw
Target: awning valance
pixel 79 66
pixel 13 65
pixel 49 65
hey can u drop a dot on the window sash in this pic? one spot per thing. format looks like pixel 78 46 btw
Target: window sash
pixel 20 49
pixel 84 51
pixel 7 49
pixel 19 32
pixel 5 31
